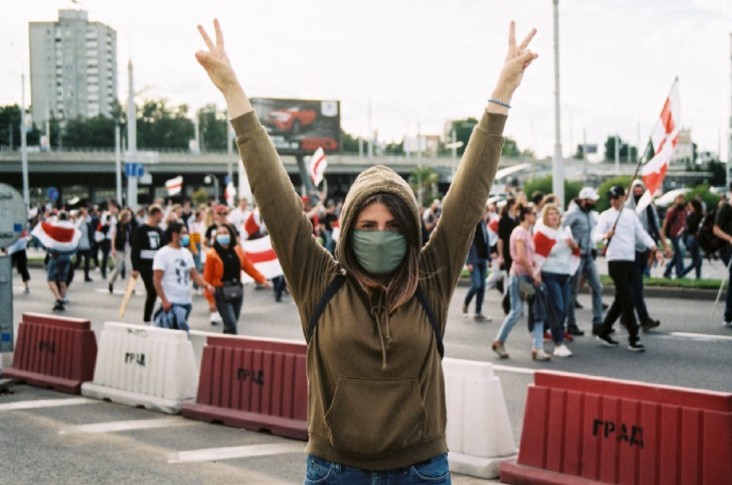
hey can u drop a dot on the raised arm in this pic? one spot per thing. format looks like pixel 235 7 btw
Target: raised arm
pixel 464 204
pixel 219 70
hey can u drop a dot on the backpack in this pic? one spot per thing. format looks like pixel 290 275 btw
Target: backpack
pixel 336 285
pixel 708 241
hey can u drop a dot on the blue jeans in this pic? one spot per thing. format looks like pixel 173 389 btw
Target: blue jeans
pixel 229 311
pixel 477 277
pixel 588 269
pixel 557 286
pixel 434 471
pixel 696 258
pixel 517 306
pixel 677 261
pixel 726 253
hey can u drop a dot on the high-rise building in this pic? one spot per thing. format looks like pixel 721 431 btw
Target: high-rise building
pixel 73 67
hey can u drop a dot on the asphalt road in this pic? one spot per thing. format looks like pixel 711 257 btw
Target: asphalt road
pixel 86 441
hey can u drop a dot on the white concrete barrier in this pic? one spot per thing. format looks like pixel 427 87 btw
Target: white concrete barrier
pixel 144 366
pixel 479 433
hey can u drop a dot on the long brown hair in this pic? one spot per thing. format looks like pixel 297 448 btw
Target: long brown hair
pixel 399 286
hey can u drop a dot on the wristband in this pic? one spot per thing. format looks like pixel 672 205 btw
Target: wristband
pixel 499 103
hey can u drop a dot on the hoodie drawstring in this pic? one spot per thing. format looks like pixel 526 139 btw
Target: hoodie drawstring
pixel 376 311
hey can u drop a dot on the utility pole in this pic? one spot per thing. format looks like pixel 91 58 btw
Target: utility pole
pixel 131 139
pixel 24 143
pixel 558 163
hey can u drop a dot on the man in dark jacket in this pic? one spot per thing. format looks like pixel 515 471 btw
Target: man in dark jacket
pixel 477 262
pixel 146 241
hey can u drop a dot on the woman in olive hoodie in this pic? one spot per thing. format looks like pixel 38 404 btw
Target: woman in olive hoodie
pixel 376 393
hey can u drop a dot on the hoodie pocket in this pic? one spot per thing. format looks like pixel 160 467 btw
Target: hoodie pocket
pixel 375 417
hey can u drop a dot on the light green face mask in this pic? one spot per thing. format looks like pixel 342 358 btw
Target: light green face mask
pixel 379 252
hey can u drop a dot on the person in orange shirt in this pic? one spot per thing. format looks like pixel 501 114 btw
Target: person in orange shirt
pixel 224 263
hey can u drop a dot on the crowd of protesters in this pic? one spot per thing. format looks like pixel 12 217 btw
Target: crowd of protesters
pixel 117 242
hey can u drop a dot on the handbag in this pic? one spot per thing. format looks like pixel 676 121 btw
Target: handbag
pixel 232 291
pixel 526 289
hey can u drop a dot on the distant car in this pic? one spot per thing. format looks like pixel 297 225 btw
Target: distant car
pixel 311 144
pixel 291 119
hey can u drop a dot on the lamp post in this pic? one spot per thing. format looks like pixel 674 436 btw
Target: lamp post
pixel 23 131
pixel 558 163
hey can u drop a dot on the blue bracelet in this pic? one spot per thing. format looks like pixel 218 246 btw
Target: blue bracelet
pixel 499 103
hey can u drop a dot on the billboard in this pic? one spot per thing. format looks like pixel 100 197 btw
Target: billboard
pixel 301 126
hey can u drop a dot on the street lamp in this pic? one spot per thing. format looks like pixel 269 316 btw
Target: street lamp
pixel 558 163
pixel 211 178
pixel 23 131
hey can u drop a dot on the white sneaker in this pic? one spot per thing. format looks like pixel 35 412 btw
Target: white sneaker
pixel 216 318
pixel 561 351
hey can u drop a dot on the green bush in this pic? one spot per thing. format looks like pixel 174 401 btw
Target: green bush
pixel 604 202
pixel 702 191
pixel 545 184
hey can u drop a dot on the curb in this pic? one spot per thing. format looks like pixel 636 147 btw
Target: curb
pixel 670 292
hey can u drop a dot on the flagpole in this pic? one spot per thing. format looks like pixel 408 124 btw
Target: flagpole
pixel 641 161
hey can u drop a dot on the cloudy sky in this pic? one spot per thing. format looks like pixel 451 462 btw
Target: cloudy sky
pixel 420 63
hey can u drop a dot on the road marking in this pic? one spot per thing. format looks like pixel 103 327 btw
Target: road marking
pixel 115 426
pixel 105 291
pixel 700 336
pixel 515 370
pixel 216 454
pixel 46 403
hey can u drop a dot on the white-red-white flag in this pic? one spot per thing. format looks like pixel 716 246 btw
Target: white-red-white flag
pixel 254 225
pixel 230 194
pixel 174 185
pixel 317 166
pixel 545 238
pixel 260 253
pixel 61 236
pixel 664 139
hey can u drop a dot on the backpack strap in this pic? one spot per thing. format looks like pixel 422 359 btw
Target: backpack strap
pixel 433 320
pixel 330 292
pixel 337 284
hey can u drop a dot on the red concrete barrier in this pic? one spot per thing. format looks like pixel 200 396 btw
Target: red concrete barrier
pixel 581 429
pixel 254 384
pixel 54 352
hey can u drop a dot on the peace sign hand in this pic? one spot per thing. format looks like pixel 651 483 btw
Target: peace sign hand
pixel 518 58
pixel 216 62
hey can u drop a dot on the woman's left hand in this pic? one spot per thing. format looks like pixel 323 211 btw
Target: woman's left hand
pixel 518 58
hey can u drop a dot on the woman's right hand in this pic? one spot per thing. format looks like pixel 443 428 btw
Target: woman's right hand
pixel 216 62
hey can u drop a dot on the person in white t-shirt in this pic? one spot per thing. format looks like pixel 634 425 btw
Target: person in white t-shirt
pixel 238 217
pixel 173 271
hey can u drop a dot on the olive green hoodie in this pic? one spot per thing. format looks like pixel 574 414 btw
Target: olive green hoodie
pixel 375 383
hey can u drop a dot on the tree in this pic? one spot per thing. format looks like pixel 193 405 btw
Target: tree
pixel 510 148
pixel 463 129
pixel 394 148
pixel 624 147
pixel 10 128
pixel 423 181
pixel 213 128
pixel 351 144
pixel 97 132
pixel 159 126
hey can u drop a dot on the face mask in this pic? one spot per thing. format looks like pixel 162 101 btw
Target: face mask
pixel 185 239
pixel 379 252
pixel 224 240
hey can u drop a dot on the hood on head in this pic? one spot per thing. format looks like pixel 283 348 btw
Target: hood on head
pixel 374 180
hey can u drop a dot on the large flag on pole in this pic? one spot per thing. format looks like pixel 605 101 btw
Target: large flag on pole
pixel 317 166
pixel 663 139
pixel 174 185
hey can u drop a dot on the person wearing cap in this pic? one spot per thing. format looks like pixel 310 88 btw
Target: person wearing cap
pixel 650 221
pixel 620 229
pixel 581 219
